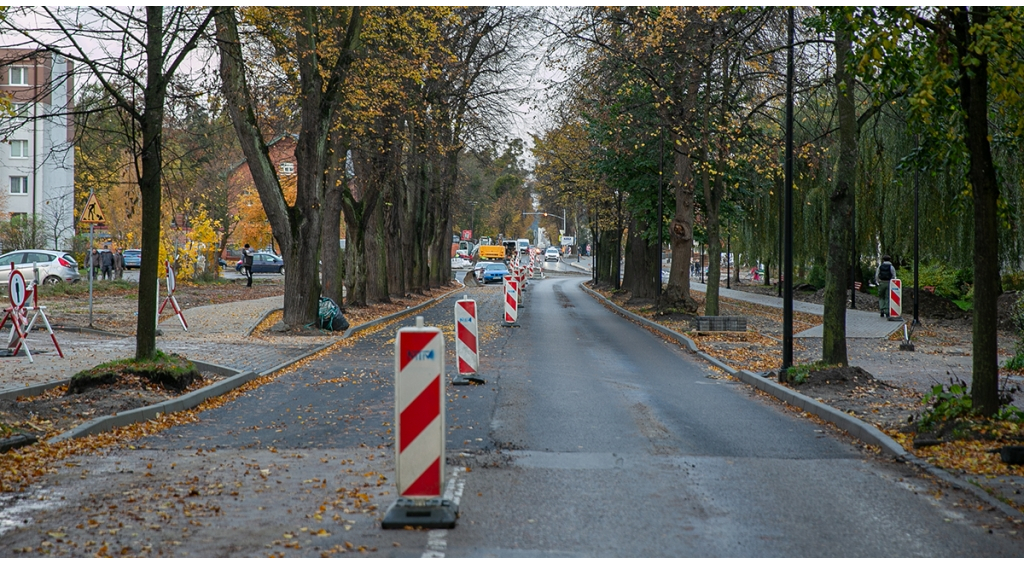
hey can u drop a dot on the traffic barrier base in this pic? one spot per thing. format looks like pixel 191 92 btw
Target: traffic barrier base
pixel 426 513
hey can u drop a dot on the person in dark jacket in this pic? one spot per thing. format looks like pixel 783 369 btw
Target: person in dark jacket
pixel 107 265
pixel 883 274
pixel 247 264
pixel 93 263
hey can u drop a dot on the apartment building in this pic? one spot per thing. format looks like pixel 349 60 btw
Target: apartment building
pixel 37 158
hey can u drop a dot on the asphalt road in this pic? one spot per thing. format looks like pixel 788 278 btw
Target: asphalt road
pixel 591 437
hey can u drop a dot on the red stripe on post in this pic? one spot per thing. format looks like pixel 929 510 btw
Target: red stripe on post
pixel 412 344
pixel 420 412
pixel 467 337
pixel 429 482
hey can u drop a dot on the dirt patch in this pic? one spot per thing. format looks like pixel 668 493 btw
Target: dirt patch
pixel 853 390
pixel 55 411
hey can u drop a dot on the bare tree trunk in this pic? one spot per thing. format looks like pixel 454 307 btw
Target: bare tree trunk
pixel 642 276
pixel 982 175
pixel 840 216
pixel 297 228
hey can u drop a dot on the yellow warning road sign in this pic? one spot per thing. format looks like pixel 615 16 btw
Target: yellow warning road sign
pixel 92 212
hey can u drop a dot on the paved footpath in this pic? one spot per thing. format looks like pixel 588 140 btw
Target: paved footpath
pixel 860 323
pixel 216 334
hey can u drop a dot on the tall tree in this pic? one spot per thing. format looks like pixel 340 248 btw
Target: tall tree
pixel 133 54
pixel 959 63
pixel 323 43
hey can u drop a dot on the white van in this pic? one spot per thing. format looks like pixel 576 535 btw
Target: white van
pixel 524 246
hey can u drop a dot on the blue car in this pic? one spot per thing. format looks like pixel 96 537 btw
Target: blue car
pixel 492 272
pixel 132 258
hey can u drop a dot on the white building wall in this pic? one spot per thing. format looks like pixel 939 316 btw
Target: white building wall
pixel 48 165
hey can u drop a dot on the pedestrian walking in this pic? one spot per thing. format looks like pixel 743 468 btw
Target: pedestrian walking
pixel 107 265
pixel 93 264
pixel 883 274
pixel 247 264
pixel 118 264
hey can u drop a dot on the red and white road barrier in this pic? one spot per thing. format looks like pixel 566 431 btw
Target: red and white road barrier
pixel 39 311
pixel 170 297
pixel 466 336
pixel 511 301
pixel 895 298
pixel 419 432
pixel 18 293
pixel 419 411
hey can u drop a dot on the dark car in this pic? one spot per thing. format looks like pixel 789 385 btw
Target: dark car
pixel 494 272
pixel 132 258
pixel 264 262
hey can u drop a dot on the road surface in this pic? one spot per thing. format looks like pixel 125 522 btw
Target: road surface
pixel 591 437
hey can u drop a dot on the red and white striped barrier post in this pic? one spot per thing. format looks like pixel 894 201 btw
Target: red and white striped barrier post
pixel 419 430
pixel 511 302
pixel 467 342
pixel 895 297
pixel 40 311
pixel 18 294
pixel 170 297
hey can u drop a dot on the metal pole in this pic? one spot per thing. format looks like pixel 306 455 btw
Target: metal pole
pixel 661 212
pixel 917 201
pixel 787 299
pixel 728 260
pixel 89 263
pixel 853 257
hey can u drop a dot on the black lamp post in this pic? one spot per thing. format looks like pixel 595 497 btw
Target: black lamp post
pixel 787 297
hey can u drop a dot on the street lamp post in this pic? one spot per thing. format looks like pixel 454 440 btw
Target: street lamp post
pixel 545 214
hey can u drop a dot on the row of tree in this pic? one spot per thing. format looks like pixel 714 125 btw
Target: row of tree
pixel 671 131
pixel 383 103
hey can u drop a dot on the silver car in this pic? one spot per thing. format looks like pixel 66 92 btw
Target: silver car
pixel 53 267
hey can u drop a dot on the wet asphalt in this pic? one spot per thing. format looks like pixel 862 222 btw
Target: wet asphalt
pixel 590 437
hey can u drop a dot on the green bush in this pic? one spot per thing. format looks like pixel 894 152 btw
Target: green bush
pixel 816 277
pixel 1013 281
pixel 947 404
pixel 950 283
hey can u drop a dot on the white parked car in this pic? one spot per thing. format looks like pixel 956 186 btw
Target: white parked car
pixel 54 267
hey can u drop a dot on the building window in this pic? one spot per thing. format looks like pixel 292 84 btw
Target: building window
pixel 287 168
pixel 18 76
pixel 19 185
pixel 19 149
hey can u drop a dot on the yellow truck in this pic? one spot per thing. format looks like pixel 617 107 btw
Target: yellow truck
pixel 492 252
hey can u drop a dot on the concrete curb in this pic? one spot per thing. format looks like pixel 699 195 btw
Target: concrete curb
pixel 388 318
pixel 865 432
pixel 180 403
pixel 29 391
pixel 263 316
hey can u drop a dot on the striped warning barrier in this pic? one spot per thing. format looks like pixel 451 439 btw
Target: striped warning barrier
pixel 419 431
pixel 466 336
pixel 511 301
pixel 895 297
pixel 419 410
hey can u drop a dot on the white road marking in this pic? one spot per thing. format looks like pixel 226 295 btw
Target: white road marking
pixel 437 539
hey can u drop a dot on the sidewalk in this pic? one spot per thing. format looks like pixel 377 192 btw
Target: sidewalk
pixel 860 323
pixel 216 334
